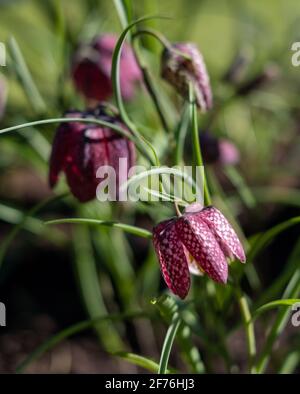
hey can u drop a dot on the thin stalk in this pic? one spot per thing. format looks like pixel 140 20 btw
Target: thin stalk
pixel 249 329
pixel 168 343
pixel 148 80
pixel 196 143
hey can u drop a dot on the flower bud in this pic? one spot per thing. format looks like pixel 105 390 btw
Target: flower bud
pixel 182 64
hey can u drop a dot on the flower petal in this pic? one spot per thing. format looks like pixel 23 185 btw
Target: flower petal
pixel 172 259
pixel 66 142
pixel 203 246
pixel 224 232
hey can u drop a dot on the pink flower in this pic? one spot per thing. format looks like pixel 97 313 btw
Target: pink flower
pixel 180 71
pixel 201 239
pixel 92 69
pixel 79 149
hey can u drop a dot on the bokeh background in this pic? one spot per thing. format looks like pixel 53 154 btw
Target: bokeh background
pixel 55 276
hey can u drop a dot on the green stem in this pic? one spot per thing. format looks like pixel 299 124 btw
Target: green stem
pixel 115 75
pixel 168 343
pixel 196 143
pixel 151 88
pixel 249 329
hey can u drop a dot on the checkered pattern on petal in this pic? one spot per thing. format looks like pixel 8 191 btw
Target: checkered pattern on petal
pixel 223 231
pixel 180 71
pixel 171 256
pixel 203 246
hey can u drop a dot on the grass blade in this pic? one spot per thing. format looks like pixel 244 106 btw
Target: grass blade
pixel 22 71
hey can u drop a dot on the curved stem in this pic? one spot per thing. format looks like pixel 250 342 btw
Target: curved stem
pixel 112 126
pixel 154 33
pixel 115 73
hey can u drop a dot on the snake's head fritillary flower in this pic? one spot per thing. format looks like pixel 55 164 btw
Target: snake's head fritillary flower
pixel 218 150
pixel 79 149
pixel 92 69
pixel 200 240
pixel 3 95
pixel 182 64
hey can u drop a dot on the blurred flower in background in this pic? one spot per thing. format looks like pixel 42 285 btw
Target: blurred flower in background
pixel 92 68
pixel 218 150
pixel 183 64
pixel 79 149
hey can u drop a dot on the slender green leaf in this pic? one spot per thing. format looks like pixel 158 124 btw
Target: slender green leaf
pixel 275 304
pixel 290 363
pixel 19 65
pixel 94 222
pixel 140 361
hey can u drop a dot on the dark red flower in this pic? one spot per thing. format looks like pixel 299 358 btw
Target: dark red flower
pixel 180 71
pixel 79 149
pixel 200 239
pixel 92 69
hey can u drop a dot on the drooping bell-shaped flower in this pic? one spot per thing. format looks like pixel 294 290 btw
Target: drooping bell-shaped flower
pixel 202 239
pixel 80 149
pixel 92 69
pixel 182 64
